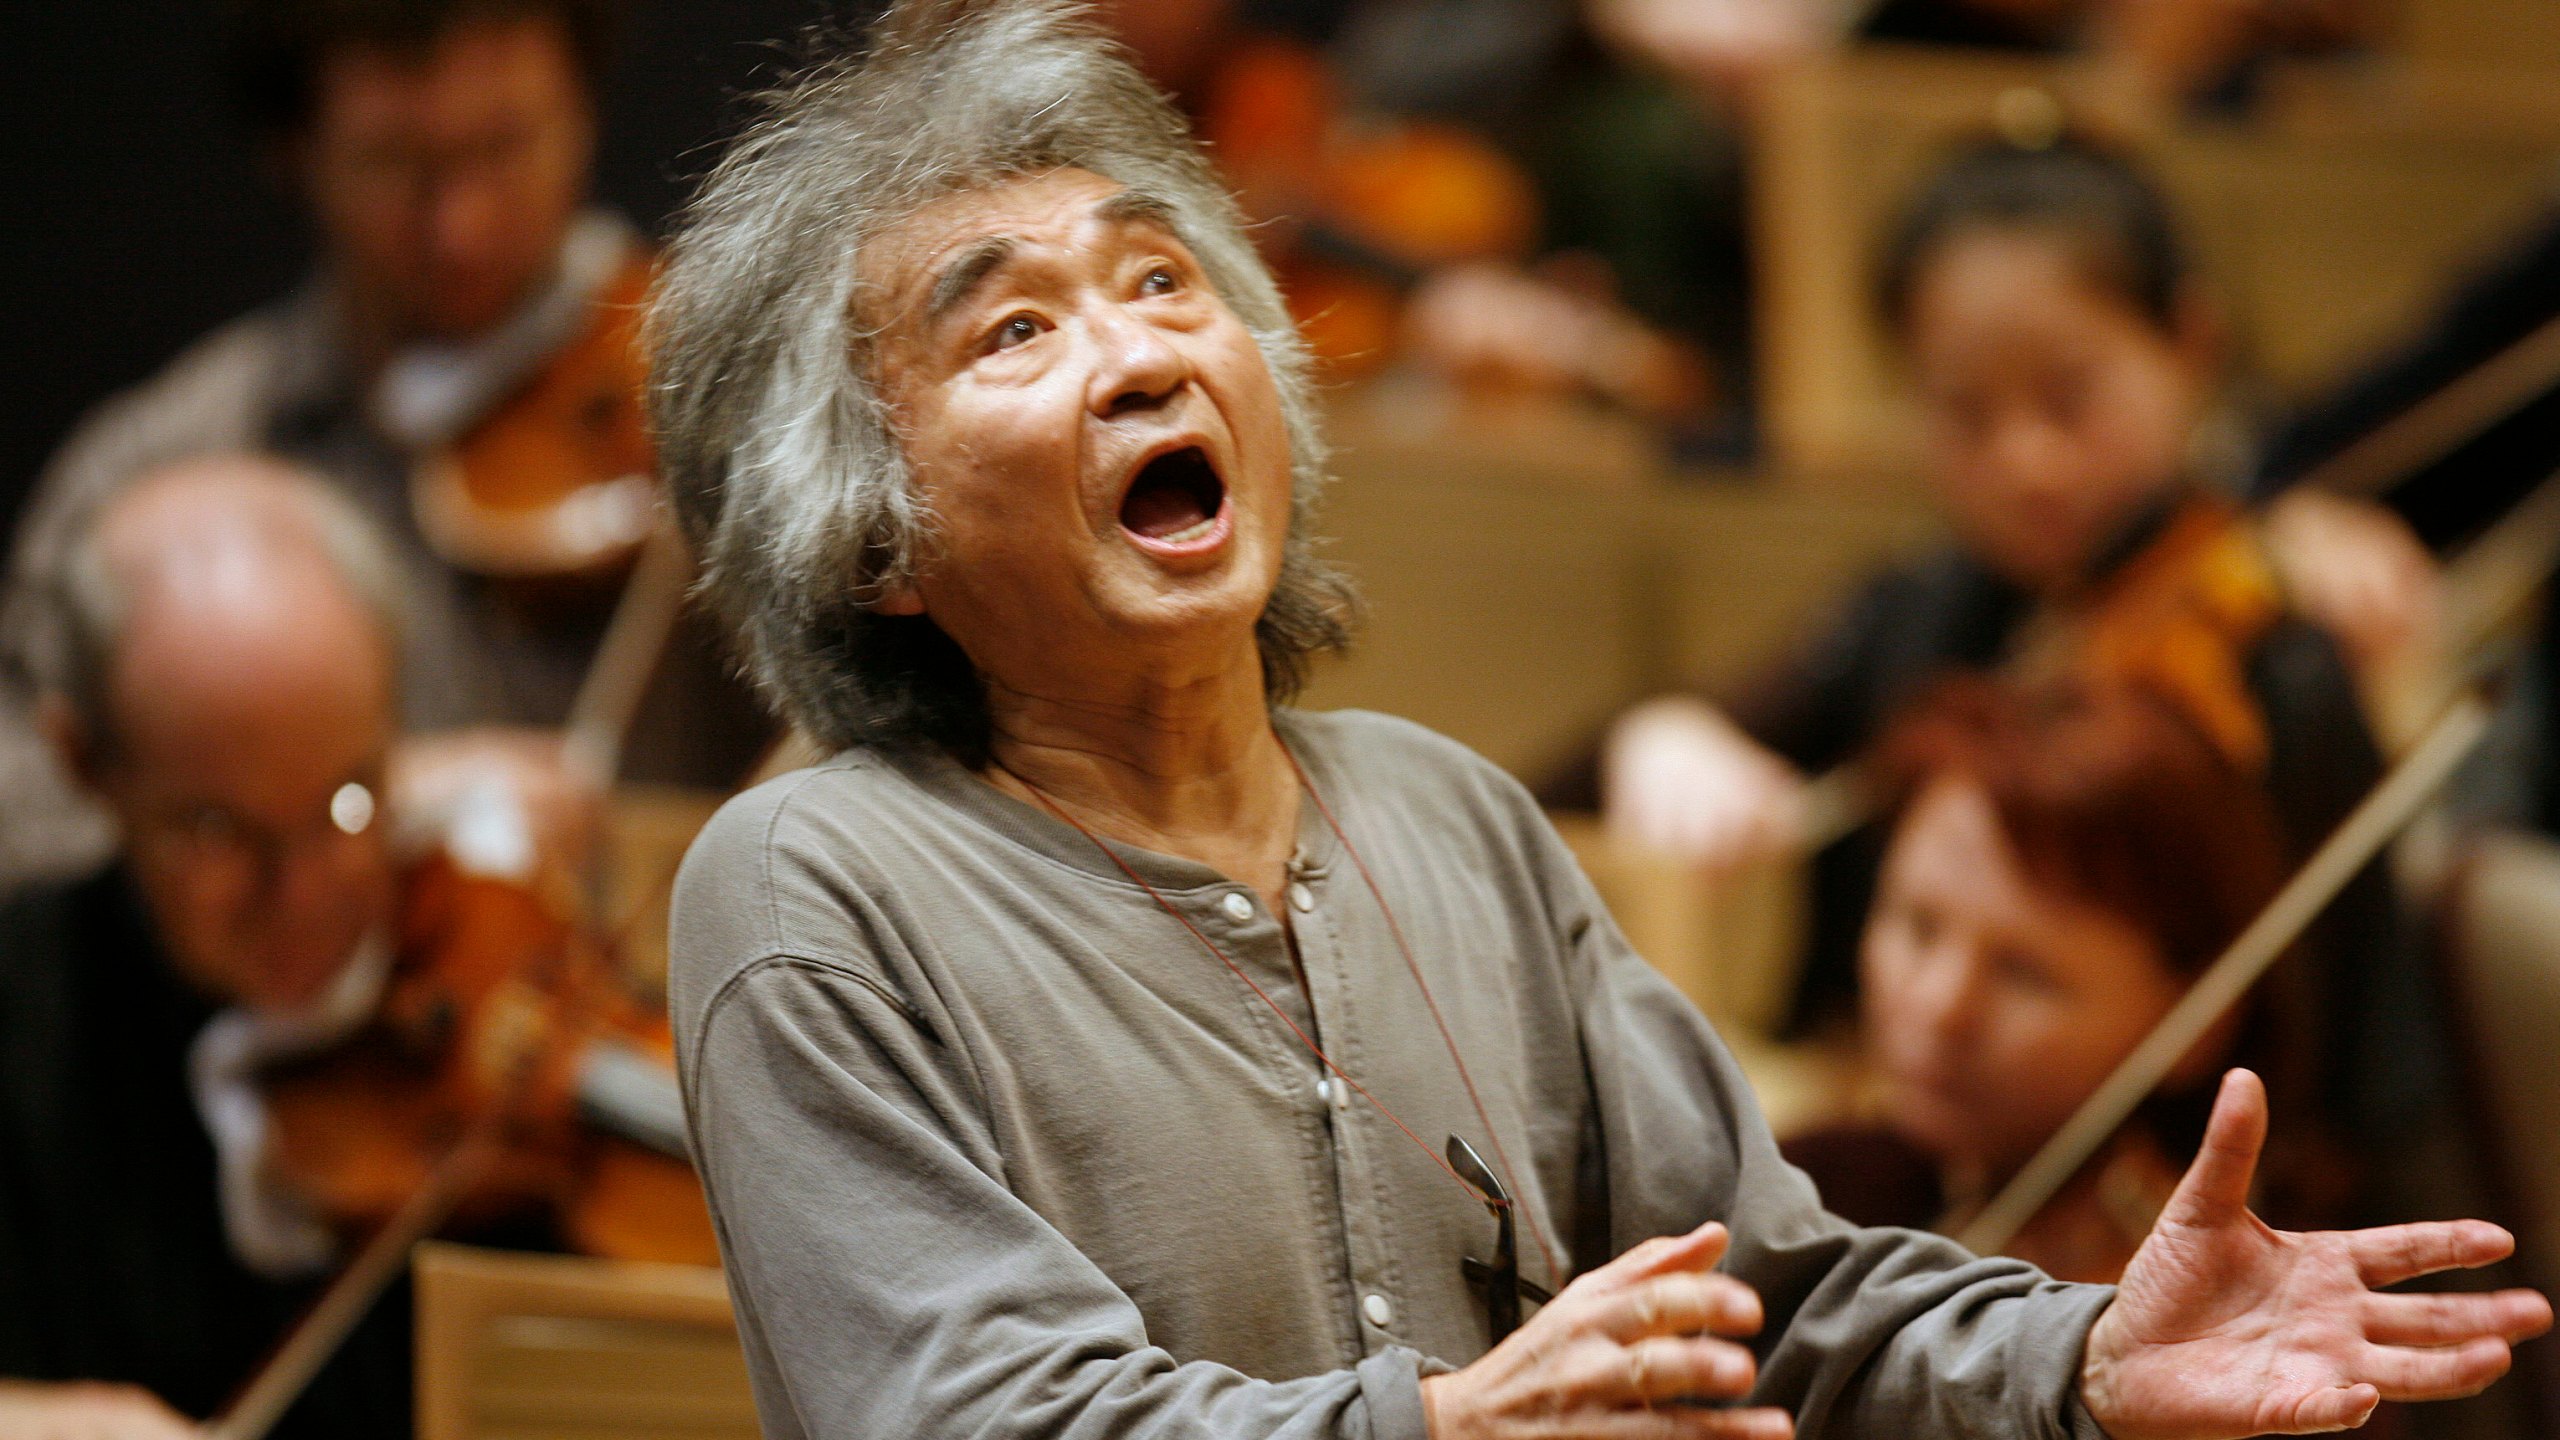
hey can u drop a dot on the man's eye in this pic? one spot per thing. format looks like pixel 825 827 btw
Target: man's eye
pixel 1160 281
pixel 1015 331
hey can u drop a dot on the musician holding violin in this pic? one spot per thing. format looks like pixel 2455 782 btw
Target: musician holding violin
pixel 462 363
pixel 2065 360
pixel 239 1049
pixel 2067 859
pixel 225 685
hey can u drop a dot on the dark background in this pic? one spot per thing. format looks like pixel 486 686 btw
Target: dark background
pixel 138 215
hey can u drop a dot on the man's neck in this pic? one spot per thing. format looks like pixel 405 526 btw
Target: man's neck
pixel 1187 767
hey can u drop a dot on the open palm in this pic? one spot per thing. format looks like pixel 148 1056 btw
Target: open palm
pixel 2225 1327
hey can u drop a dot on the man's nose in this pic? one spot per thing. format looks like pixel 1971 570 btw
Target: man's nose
pixel 463 217
pixel 1137 367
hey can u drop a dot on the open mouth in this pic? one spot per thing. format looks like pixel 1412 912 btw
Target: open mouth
pixel 1175 499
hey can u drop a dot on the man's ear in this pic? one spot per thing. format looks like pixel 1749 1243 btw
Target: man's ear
pixel 899 600
pixel 72 744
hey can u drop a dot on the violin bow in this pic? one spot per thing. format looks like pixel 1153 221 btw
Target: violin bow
pixel 617 680
pixel 2400 796
pixel 344 1304
pixel 2448 417
pixel 2485 586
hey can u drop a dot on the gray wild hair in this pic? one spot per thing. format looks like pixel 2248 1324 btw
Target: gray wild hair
pixel 279 514
pixel 772 430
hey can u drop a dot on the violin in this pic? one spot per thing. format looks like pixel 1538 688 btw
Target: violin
pixel 2178 620
pixel 498 1011
pixel 507 1072
pixel 553 489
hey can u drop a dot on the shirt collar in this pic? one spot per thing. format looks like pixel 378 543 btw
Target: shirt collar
pixel 1030 827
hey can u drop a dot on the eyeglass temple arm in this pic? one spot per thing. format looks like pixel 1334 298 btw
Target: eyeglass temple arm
pixel 1472 1169
pixel 1480 1273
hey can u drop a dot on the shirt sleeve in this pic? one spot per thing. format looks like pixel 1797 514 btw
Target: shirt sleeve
pixel 888 1282
pixel 1870 1332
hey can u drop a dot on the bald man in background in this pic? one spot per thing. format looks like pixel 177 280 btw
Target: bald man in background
pixel 225 685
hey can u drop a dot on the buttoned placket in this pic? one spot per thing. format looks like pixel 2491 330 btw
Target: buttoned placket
pixel 1372 1291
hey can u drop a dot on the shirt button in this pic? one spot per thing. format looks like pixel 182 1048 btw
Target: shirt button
pixel 1378 1311
pixel 1301 899
pixel 1238 908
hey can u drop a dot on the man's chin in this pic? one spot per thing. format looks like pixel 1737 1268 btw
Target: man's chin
pixel 291 987
pixel 1206 609
pixel 459 312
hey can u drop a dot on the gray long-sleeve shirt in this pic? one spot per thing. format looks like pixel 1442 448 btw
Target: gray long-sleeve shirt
pixel 996 1148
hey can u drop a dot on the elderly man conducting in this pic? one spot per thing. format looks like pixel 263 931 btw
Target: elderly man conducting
pixel 1095 1046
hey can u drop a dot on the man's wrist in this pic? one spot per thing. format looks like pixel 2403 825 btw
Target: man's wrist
pixel 1431 1407
pixel 2098 1372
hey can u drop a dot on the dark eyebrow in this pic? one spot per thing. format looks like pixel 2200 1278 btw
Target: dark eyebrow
pixel 1129 205
pixel 963 276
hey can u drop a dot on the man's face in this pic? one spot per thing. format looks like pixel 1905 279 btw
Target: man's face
pixel 231 778
pixel 442 182
pixel 1095 432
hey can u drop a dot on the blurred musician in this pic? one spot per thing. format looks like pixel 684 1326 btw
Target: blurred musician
pixel 2065 358
pixel 1476 190
pixel 2064 866
pixel 442 149
pixel 226 686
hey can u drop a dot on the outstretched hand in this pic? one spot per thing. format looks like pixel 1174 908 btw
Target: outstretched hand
pixel 2224 1327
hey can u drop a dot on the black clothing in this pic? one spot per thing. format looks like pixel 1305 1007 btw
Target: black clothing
pixel 2463 492
pixel 1939 22
pixel 2474 483
pixel 1867 1175
pixel 113 1264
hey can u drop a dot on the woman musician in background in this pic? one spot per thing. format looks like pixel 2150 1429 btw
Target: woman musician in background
pixel 2067 861
pixel 2065 359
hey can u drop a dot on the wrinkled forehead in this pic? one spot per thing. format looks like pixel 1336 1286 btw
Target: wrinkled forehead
pixel 918 267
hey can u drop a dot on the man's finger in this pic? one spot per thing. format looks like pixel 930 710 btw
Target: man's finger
pixel 1700 1249
pixel 2217 1184
pixel 2509 1315
pixel 2402 1374
pixel 1669 1370
pixel 1682 1303
pixel 2343 1408
pixel 1679 1423
pixel 2395 1253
